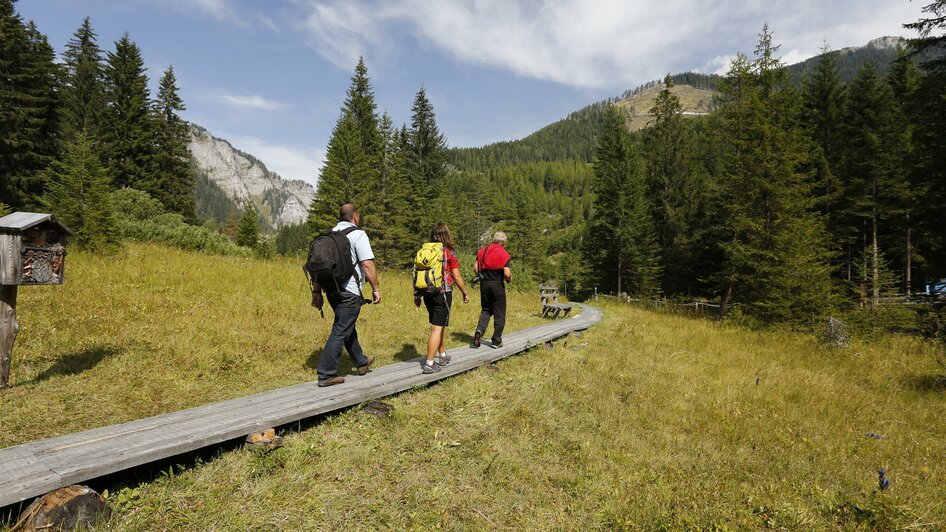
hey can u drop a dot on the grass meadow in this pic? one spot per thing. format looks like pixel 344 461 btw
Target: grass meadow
pixel 646 421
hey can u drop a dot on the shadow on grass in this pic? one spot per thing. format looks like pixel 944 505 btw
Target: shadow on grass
pixel 462 337
pixel 926 383
pixel 408 353
pixel 77 362
pixel 344 362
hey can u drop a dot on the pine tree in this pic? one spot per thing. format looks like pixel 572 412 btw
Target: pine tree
pixel 78 194
pixel 360 105
pixel 28 108
pixel 345 165
pixel 129 127
pixel 874 182
pixel 774 247
pixel 388 218
pixel 824 96
pixel 675 189
pixel 621 246
pixel 248 230
pixel 427 158
pixel 84 86
pixel 172 182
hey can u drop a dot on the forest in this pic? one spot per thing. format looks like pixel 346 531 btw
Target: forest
pixel 808 190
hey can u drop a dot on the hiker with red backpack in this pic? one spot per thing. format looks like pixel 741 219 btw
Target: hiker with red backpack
pixel 436 270
pixel 492 268
pixel 338 263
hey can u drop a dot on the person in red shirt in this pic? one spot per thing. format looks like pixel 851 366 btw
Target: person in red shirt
pixel 492 266
pixel 438 303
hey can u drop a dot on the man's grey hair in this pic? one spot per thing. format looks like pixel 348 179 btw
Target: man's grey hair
pixel 499 237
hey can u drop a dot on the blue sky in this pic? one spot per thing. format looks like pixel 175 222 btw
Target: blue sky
pixel 270 76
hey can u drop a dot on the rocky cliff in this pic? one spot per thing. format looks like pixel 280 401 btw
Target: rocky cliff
pixel 242 177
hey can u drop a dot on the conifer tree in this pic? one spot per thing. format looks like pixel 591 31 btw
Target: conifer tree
pixel 674 186
pixel 83 87
pixel 360 105
pixel 28 108
pixel 823 95
pixel 621 245
pixel 78 194
pixel 248 230
pixel 389 214
pixel 129 127
pixel 427 157
pixel 874 180
pixel 345 165
pixel 172 182
pixel 775 256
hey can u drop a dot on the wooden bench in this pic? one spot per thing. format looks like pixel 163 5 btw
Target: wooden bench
pixel 548 298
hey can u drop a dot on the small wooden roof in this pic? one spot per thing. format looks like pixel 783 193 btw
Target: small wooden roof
pixel 21 221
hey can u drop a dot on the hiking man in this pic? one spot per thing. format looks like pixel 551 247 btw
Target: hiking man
pixel 492 267
pixel 346 300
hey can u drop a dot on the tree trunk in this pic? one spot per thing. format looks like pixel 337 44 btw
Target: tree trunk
pixel 9 328
pixel 907 273
pixel 724 301
pixel 620 258
pixel 875 267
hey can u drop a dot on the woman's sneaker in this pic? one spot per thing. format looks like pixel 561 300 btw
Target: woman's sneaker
pixel 431 368
pixel 442 359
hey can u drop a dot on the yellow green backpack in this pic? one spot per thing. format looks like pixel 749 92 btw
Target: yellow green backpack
pixel 428 268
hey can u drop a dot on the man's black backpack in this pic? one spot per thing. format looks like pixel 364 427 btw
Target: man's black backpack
pixel 329 261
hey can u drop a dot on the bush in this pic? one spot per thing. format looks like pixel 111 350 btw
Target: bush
pixel 142 218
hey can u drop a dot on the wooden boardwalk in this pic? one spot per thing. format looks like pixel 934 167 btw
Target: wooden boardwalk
pixel 32 469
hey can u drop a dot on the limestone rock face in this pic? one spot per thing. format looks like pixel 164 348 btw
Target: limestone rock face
pixel 243 177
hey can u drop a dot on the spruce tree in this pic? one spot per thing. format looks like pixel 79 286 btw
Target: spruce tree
pixel 78 194
pixel 389 214
pixel 28 108
pixel 823 95
pixel 360 105
pixel 129 127
pixel 345 165
pixel 874 182
pixel 83 84
pixel 248 231
pixel 675 189
pixel 172 182
pixel 774 246
pixel 621 246
pixel 427 158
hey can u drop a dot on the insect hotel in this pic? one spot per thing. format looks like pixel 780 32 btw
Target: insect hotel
pixel 32 252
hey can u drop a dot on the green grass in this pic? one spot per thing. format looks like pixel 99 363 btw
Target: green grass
pixel 647 421
pixel 156 329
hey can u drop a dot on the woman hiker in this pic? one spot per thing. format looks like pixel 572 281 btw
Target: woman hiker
pixel 438 300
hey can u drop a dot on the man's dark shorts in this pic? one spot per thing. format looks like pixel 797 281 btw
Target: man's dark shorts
pixel 438 307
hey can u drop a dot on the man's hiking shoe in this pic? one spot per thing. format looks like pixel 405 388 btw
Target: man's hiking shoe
pixel 496 344
pixel 364 369
pixel 476 338
pixel 431 368
pixel 338 379
pixel 443 359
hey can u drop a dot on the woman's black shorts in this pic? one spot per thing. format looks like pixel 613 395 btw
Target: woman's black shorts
pixel 438 307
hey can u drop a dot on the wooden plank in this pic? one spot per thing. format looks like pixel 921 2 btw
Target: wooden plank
pixel 34 468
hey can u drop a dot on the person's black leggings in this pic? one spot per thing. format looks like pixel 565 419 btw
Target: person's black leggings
pixel 493 302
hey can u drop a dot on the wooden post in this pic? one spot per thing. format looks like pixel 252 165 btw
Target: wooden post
pixel 9 328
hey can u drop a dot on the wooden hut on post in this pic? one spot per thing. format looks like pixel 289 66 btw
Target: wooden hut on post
pixel 32 252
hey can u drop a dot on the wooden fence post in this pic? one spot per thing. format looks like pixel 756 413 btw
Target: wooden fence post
pixel 9 328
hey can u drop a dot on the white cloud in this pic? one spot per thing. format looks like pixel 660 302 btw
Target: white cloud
pixel 268 23
pixel 290 162
pixel 222 10
pixel 601 44
pixel 254 102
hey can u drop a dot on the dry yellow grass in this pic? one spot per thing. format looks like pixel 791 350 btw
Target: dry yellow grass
pixel 638 106
pixel 156 329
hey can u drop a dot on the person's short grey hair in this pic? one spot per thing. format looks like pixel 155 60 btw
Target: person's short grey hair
pixel 499 237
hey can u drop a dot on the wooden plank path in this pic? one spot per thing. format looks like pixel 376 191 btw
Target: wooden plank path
pixel 34 468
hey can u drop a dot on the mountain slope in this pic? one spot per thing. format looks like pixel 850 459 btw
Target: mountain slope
pixel 242 177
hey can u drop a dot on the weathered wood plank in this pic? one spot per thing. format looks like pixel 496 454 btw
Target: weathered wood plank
pixel 34 468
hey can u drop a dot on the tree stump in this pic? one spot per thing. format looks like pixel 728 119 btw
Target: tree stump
pixel 378 408
pixel 67 508
pixel 9 328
